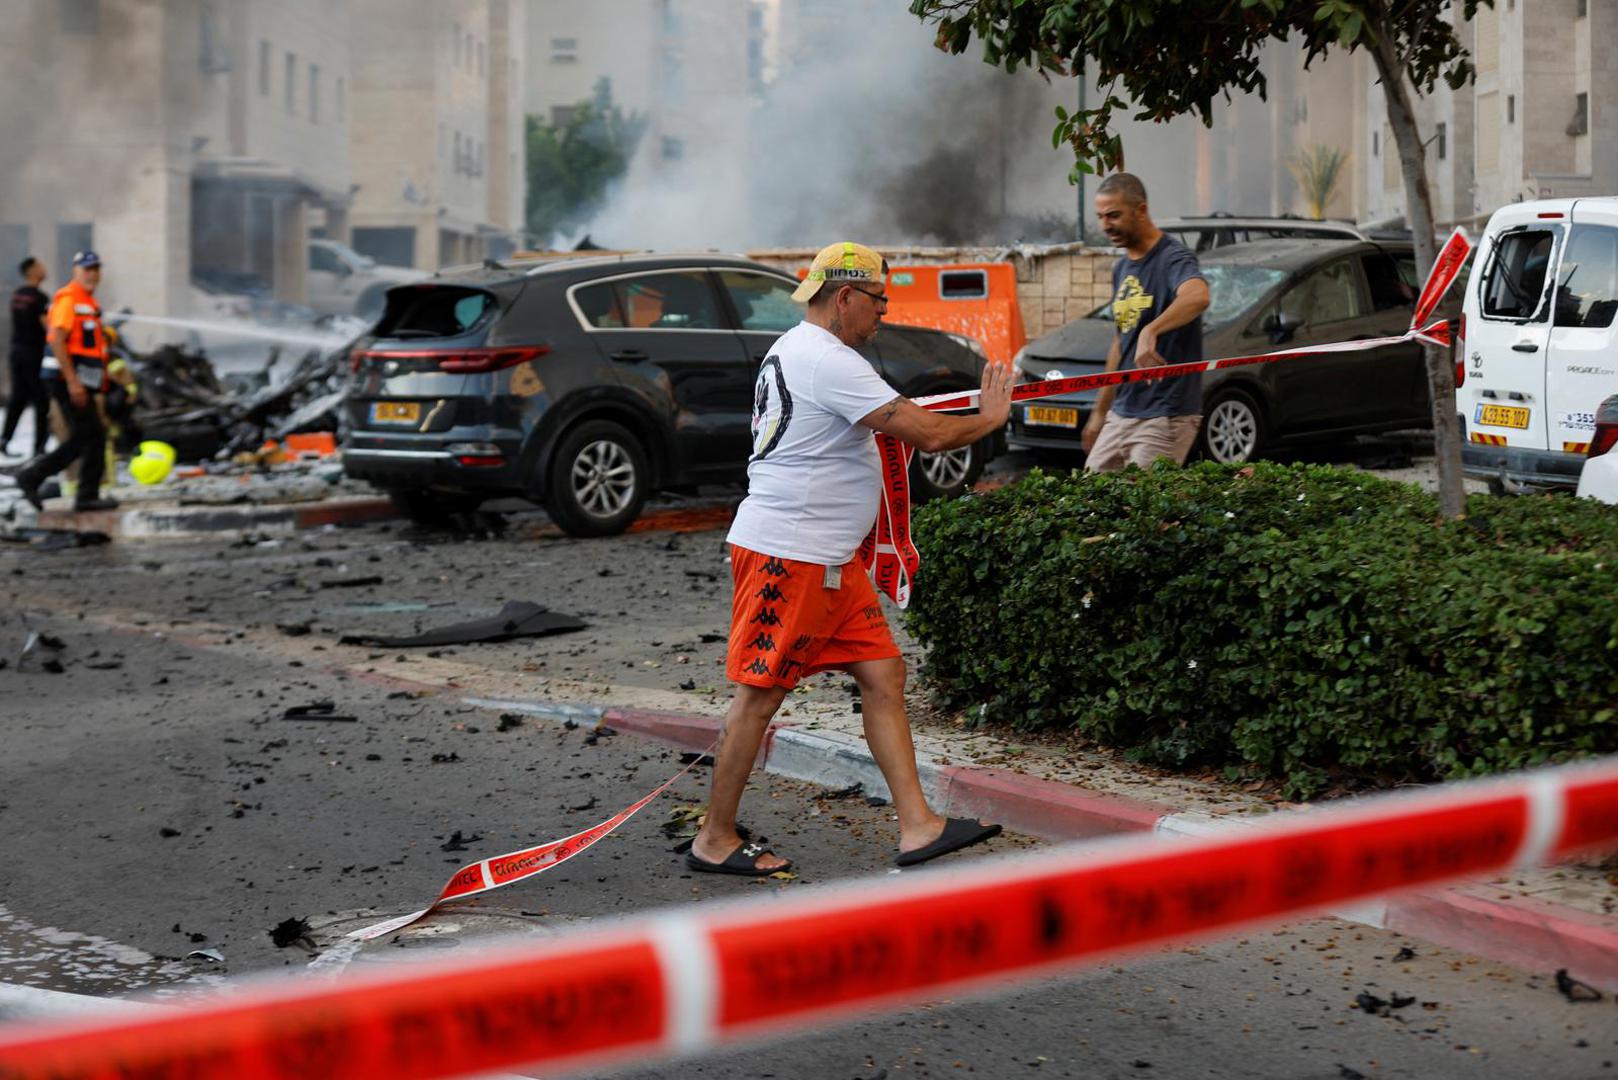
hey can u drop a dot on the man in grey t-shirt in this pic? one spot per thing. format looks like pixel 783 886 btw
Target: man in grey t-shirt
pixel 1158 297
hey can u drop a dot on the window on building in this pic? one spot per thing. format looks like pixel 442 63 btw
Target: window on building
pixel 291 83
pixel 1581 9
pixel 1442 137
pixel 264 68
pixel 314 93
pixel 1580 124
pixel 457 151
pixel 1511 108
pixel 673 24
pixel 564 50
pixel 1587 280
pixel 80 16
pixel 1514 278
pixel 673 149
pixel 673 76
pixel 480 59
pixel 213 58
pixel 342 101
pixel 391 246
pixel 755 60
pixel 1376 146
pixel 562 115
pixel 755 18
pixel 455 32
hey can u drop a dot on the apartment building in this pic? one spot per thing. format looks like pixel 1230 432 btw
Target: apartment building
pixel 1539 121
pixel 437 146
pixel 180 138
pixel 690 69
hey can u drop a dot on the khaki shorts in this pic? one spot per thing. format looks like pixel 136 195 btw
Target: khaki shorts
pixel 1128 440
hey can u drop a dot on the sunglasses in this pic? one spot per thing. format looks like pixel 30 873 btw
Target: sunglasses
pixel 878 298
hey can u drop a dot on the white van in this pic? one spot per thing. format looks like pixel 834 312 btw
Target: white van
pixel 1539 341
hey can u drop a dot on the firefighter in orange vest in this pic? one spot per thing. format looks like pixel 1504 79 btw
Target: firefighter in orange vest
pixel 75 373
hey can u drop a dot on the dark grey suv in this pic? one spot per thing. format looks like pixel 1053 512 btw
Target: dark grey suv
pixel 587 383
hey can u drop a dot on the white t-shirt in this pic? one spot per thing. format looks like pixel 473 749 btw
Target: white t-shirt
pixel 815 480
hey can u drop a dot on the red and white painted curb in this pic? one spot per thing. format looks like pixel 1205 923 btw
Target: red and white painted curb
pixel 1479 919
pixel 694 979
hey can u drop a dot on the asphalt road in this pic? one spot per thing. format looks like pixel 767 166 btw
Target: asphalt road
pixel 153 802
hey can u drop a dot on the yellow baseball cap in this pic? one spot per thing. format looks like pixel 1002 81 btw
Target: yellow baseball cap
pixel 840 263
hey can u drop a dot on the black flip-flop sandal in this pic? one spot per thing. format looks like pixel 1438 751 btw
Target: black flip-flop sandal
pixel 742 862
pixel 741 830
pixel 958 833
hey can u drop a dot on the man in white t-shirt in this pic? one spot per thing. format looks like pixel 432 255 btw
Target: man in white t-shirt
pixel 802 603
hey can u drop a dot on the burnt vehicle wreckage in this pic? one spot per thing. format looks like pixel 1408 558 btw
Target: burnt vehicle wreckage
pixel 182 400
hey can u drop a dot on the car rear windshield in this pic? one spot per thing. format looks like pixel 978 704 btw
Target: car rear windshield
pixel 432 311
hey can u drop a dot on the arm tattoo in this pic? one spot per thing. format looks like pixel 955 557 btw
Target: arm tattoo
pixel 891 411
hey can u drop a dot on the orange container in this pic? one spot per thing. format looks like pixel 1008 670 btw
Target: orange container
pixel 313 444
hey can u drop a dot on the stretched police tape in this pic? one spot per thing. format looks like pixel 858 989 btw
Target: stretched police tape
pixel 888 552
pixel 691 979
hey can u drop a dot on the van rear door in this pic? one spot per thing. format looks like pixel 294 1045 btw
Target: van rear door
pixel 1582 367
pixel 1508 328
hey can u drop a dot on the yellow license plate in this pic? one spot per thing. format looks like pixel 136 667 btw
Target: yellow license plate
pixel 1049 417
pixel 1511 416
pixel 395 412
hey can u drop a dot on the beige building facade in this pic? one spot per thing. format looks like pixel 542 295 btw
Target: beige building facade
pixel 1539 121
pixel 437 129
pixel 179 138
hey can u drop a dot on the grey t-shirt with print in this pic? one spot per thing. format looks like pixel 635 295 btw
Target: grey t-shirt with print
pixel 1142 289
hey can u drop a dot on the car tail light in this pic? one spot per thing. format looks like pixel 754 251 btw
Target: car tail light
pixel 477 455
pixel 462 361
pixel 1460 352
pixel 1606 435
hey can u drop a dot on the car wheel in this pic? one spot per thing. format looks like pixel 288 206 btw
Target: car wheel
pixel 426 507
pixel 599 480
pixel 946 474
pixel 1232 428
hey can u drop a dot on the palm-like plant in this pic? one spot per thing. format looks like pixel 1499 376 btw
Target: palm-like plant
pixel 1318 169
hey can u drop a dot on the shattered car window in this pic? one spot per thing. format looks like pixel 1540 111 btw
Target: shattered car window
pixel 762 303
pixel 1234 289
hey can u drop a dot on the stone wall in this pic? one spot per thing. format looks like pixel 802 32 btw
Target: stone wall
pixel 1055 284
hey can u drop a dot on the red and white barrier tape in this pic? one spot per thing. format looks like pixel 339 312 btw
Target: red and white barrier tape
pixel 693 979
pixel 498 871
pixel 889 554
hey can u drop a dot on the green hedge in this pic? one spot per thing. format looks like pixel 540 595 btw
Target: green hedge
pixel 1314 624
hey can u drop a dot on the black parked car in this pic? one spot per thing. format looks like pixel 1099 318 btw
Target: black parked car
pixel 587 383
pixel 1269 295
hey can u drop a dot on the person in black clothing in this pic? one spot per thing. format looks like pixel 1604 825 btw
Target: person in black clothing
pixel 28 306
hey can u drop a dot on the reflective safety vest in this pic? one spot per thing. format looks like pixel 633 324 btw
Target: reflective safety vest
pixel 74 310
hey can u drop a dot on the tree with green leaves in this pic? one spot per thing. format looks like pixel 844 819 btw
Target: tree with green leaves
pixel 1171 58
pixel 571 164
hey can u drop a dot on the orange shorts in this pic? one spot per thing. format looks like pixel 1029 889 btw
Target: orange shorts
pixel 786 623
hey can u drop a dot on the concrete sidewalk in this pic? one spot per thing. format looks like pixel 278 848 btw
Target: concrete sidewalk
pixel 1515 920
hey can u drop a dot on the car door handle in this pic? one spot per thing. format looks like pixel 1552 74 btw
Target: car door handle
pixel 1525 346
pixel 630 355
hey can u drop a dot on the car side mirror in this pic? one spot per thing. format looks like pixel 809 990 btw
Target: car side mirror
pixel 1281 326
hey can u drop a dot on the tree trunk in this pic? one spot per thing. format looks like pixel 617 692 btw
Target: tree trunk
pixel 1419 213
